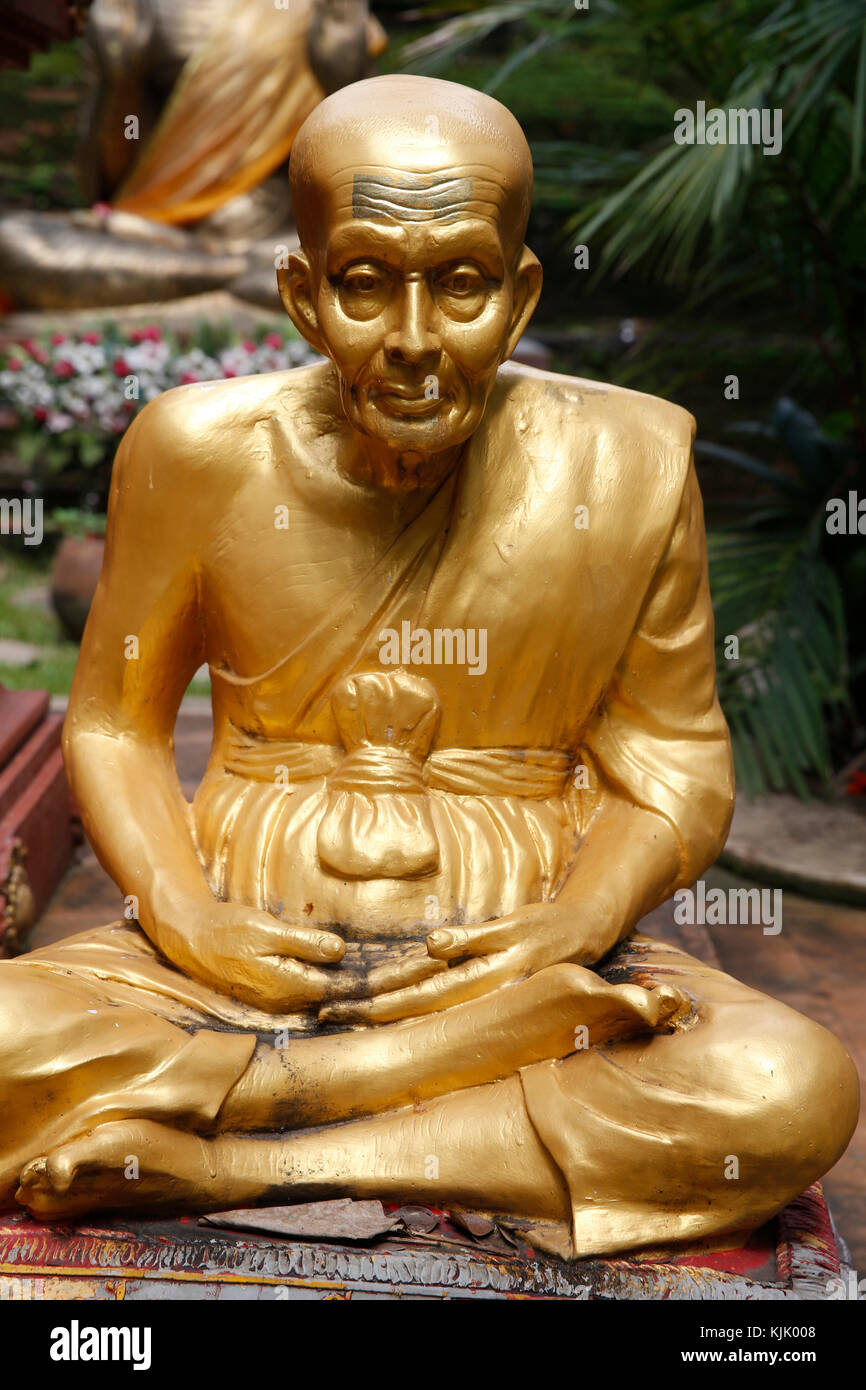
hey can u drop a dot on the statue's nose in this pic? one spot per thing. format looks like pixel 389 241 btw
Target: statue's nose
pixel 412 339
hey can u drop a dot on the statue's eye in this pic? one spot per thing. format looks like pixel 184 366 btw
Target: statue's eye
pixel 362 281
pixel 463 280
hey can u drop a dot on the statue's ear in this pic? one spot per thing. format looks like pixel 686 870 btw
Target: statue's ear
pixel 295 283
pixel 527 288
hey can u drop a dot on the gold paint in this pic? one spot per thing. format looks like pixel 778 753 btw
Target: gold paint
pixel 395 847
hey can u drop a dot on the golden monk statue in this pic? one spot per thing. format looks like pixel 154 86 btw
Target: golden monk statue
pixel 190 116
pixel 466 735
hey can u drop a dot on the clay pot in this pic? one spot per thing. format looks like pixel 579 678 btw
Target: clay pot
pixel 74 575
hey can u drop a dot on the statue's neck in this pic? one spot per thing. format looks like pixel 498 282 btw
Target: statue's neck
pixel 369 463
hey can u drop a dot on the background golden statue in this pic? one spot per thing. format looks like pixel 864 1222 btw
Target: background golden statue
pixel 216 91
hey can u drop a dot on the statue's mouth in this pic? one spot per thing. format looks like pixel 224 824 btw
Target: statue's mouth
pixel 400 402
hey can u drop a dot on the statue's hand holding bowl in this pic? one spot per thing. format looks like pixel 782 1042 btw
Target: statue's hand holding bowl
pixel 252 956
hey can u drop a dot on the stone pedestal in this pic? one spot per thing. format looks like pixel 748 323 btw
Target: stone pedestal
pixel 795 1257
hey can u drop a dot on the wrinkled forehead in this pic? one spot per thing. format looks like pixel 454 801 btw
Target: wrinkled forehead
pixel 451 210
pixel 436 192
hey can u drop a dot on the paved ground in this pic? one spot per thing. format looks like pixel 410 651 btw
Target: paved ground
pixel 816 964
pixel 814 847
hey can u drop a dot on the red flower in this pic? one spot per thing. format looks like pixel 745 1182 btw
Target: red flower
pixel 40 413
pixel 248 345
pixel 58 338
pixel 272 340
pixel 857 784
pixel 91 337
pixel 120 367
pixel 151 334
pixel 14 364
pixel 188 378
pixel 64 369
pixel 40 355
pixel 228 372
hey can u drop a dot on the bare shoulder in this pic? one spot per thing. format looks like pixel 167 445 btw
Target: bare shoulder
pixel 561 404
pixel 215 427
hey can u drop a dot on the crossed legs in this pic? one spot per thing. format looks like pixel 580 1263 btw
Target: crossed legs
pixel 635 1131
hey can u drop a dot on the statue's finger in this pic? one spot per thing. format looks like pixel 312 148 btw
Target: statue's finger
pixel 297 976
pixel 357 981
pixel 450 943
pixel 385 979
pixel 463 982
pixel 306 943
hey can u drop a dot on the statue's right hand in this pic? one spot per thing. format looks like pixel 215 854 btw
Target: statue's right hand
pixel 252 956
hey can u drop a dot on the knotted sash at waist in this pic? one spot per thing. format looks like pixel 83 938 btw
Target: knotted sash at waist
pixel 377 819
pixel 533 773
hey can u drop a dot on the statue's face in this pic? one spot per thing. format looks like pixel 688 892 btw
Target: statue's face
pixel 417 293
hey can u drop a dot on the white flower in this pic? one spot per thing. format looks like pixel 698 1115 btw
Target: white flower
pixel 58 421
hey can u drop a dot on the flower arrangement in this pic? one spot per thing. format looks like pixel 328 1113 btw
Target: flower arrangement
pixel 68 399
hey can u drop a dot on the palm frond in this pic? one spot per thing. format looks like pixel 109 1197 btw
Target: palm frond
pixel 454 38
pixel 785 607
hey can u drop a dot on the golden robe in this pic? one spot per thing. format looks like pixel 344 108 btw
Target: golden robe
pixel 345 791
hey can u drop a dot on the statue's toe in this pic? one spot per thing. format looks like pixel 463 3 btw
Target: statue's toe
pixel 673 1004
pixel 42 1189
pixel 35 1175
pixel 54 1185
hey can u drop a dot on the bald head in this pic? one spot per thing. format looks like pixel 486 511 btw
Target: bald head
pixel 405 149
pixel 411 198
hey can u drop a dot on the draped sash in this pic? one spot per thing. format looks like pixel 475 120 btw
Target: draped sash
pixel 303 681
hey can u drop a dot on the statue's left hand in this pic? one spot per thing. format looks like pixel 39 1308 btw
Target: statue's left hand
pixel 482 959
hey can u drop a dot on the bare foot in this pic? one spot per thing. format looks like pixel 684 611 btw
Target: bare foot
pixel 131 1164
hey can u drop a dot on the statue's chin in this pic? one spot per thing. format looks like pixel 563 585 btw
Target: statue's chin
pixel 415 428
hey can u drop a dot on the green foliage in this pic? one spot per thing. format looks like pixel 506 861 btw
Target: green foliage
pixel 20 571
pixel 76 521
pixel 781 584
pixel 38 121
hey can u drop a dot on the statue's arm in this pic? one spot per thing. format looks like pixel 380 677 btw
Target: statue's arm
pixel 661 790
pixel 143 642
pixel 656 812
